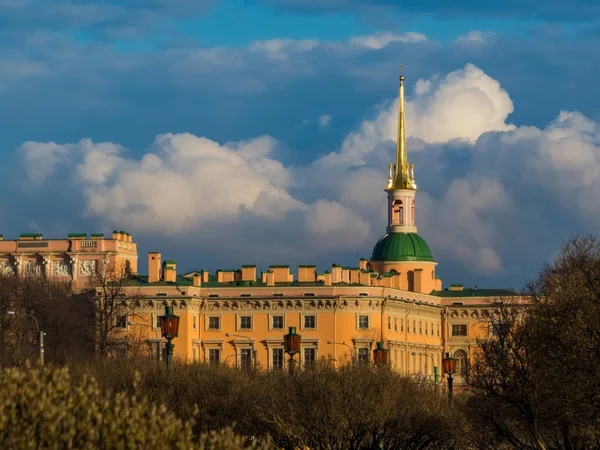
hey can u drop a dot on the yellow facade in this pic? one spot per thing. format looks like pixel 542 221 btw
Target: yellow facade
pixel 239 316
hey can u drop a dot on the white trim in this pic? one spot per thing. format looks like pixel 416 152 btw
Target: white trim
pixel 238 321
pixel 207 318
pixel 271 315
pixel 303 315
pixel 361 314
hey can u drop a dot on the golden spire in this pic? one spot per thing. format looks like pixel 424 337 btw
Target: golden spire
pixel 402 179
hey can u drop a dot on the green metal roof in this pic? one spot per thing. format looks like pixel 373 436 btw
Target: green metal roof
pixel 77 235
pixel 30 234
pixel 97 235
pixel 470 292
pixel 248 266
pixel 170 261
pixel 307 266
pixel 401 247
pixel 279 267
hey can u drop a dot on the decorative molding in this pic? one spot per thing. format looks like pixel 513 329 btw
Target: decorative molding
pixel 32 269
pixel 88 267
pixel 60 268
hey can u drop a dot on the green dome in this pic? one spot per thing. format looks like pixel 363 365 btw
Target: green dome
pixel 401 247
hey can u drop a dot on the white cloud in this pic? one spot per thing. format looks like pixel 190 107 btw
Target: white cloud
pixel 281 49
pixel 324 120
pixel 479 217
pixel 379 41
pixel 475 37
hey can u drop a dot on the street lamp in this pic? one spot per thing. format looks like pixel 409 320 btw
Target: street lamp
pixel 435 369
pixel 449 365
pixel 291 342
pixel 40 333
pixel 169 327
pixel 251 346
pixel 380 355
pixel 353 356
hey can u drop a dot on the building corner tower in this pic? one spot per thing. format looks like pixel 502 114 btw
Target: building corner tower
pixel 401 249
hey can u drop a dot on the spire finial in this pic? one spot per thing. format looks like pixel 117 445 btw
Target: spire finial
pixel 402 178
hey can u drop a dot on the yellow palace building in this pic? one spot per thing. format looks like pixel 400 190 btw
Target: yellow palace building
pixel 239 316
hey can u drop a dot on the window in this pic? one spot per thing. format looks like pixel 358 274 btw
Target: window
pixel 310 322
pixel 415 326
pixel 214 323
pixel 277 295
pixel 363 355
pixel 309 294
pixel 121 321
pixel 310 355
pixel 194 322
pixel 213 295
pixel 214 356
pixel 156 320
pixel 389 323
pixel 401 324
pixel 438 328
pixel 395 324
pixel 420 327
pixel 277 358
pixel 426 328
pixel 245 322
pixel 277 322
pixel 459 330
pixel 363 322
pixel 462 361
pixel 246 358
pixel 245 295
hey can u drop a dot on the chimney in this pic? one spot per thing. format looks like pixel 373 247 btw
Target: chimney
pixel 204 275
pixel 307 274
pixel 153 266
pixel 270 278
pixel 197 279
pixel 170 271
pixel 249 273
pixel 327 279
pixel 336 274
pixel 362 264
pixel 346 275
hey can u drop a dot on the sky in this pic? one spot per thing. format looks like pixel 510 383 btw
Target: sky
pixel 230 132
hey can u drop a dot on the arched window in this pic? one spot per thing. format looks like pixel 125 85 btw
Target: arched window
pixel 397 212
pixel 462 362
pixel 412 213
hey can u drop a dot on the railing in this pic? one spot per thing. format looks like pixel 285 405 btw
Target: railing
pixel 89 244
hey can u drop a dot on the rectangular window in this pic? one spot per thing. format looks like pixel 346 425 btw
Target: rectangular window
pixel 420 327
pixel 395 324
pixel 426 328
pixel 363 355
pixel 310 322
pixel 214 356
pixel 245 322
pixel 246 358
pixel 459 330
pixel 277 322
pixel 389 323
pixel 438 328
pixel 213 295
pixel 214 323
pixel 277 358
pixel 121 321
pixel 156 320
pixel 363 322
pixel 310 355
pixel 194 322
pixel 414 326
pixel 401 324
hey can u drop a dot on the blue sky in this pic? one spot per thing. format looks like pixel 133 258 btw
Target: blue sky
pixel 254 131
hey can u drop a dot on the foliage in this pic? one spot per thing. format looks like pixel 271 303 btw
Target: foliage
pixel 352 407
pixel 46 408
pixel 536 384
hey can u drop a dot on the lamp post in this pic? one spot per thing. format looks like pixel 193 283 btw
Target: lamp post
pixel 291 342
pixel 435 369
pixel 169 327
pixel 380 355
pixel 40 334
pixel 254 365
pixel 449 365
pixel 353 356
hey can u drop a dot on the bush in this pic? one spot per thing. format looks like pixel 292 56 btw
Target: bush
pixel 49 409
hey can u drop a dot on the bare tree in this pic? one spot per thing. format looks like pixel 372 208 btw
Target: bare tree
pixel 113 305
pixel 535 382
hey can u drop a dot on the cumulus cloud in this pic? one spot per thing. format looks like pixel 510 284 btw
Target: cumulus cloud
pixel 483 213
pixel 280 49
